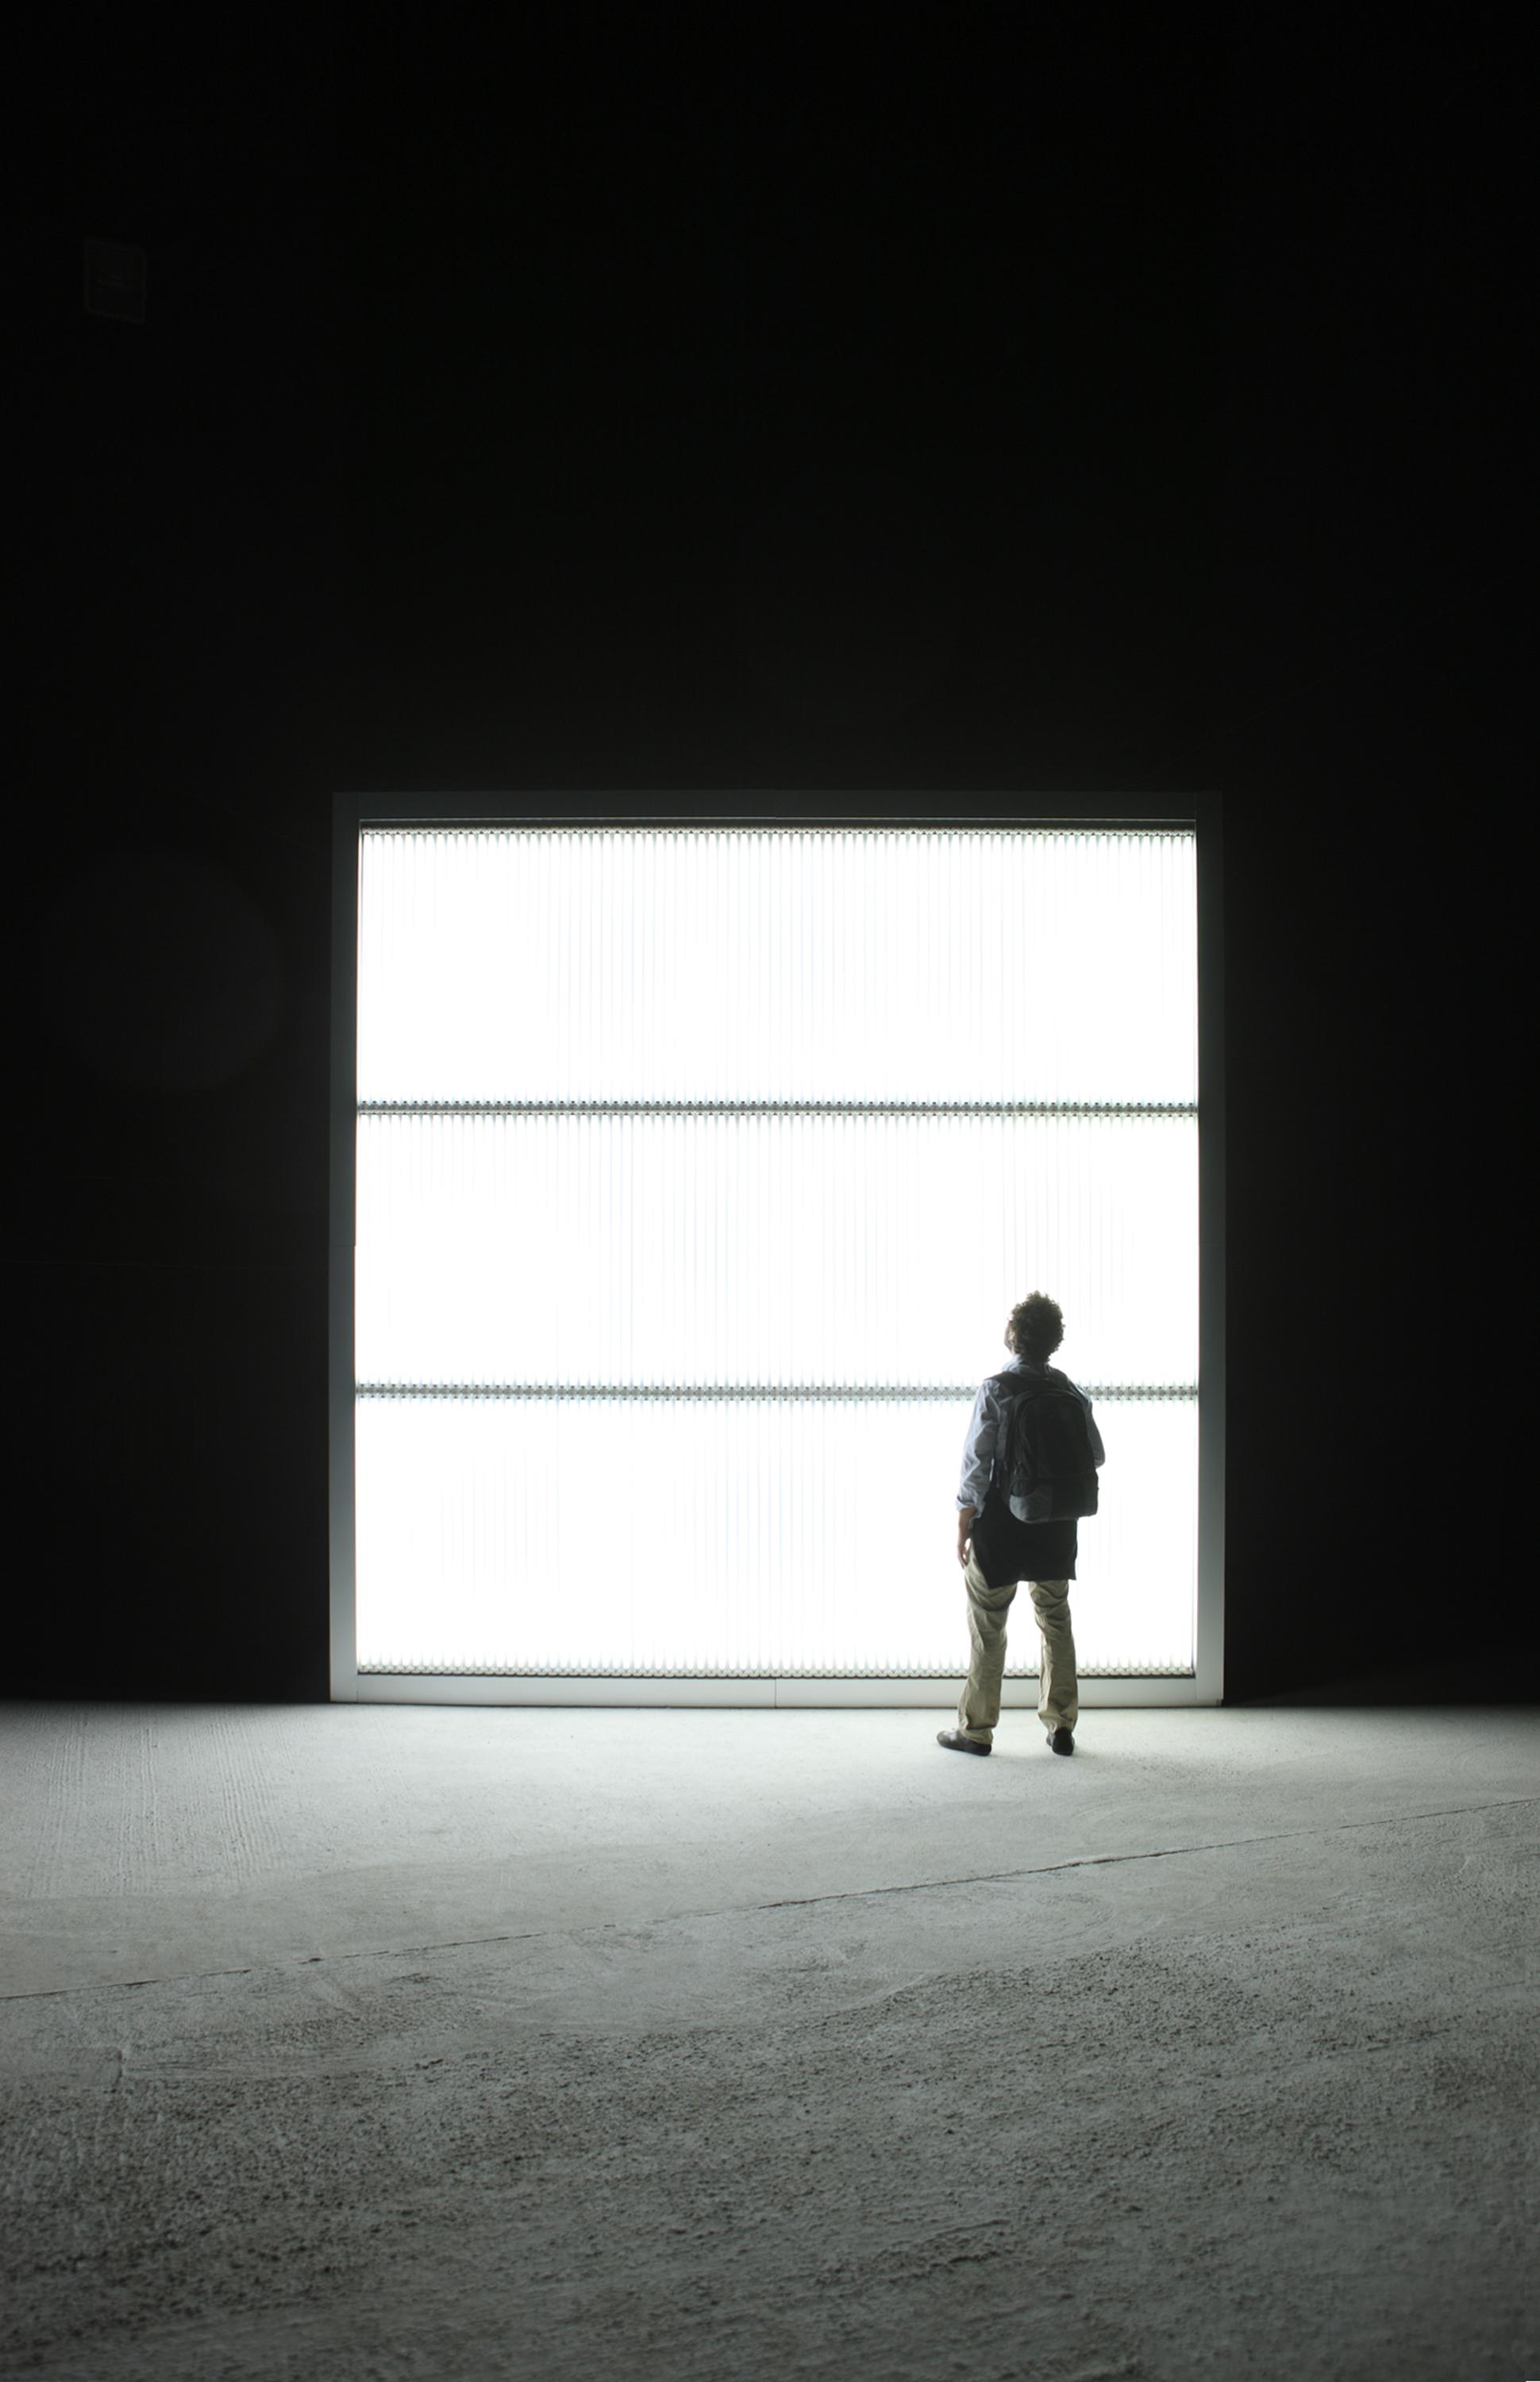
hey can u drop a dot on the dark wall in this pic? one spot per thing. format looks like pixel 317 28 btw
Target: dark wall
pixel 690 400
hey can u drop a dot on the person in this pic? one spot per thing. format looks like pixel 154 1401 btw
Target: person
pixel 997 1548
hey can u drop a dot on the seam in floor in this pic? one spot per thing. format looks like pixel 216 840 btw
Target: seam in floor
pixel 785 1902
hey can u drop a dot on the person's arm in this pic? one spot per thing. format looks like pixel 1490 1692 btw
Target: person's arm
pixel 977 1452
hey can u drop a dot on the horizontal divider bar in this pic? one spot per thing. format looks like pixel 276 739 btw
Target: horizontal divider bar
pixel 779 1108
pixel 761 1393
pixel 553 1671
pixel 771 1692
pixel 895 827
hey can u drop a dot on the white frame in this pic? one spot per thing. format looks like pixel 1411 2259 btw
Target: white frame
pixel 351 814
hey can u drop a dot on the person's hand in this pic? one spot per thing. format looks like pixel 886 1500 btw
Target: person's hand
pixel 963 1543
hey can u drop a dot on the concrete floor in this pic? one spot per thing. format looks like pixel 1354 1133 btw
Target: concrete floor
pixel 454 2045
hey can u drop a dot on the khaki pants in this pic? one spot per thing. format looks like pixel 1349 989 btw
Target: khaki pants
pixel 1058 1690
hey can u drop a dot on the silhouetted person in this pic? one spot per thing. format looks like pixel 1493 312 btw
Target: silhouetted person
pixel 1029 1472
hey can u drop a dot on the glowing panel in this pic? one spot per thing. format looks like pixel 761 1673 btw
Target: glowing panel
pixel 697 1171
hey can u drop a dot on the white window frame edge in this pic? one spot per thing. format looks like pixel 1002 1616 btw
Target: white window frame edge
pixel 353 813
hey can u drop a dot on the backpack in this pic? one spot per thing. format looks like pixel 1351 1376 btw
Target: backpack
pixel 1045 1454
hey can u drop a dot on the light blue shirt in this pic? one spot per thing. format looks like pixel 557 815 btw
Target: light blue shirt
pixel 983 1431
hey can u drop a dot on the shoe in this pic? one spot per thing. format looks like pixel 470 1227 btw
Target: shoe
pixel 1061 1741
pixel 959 1743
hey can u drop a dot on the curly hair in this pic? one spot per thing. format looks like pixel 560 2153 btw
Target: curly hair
pixel 1036 1327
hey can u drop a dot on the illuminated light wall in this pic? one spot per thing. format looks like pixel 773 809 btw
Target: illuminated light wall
pixel 697 1169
